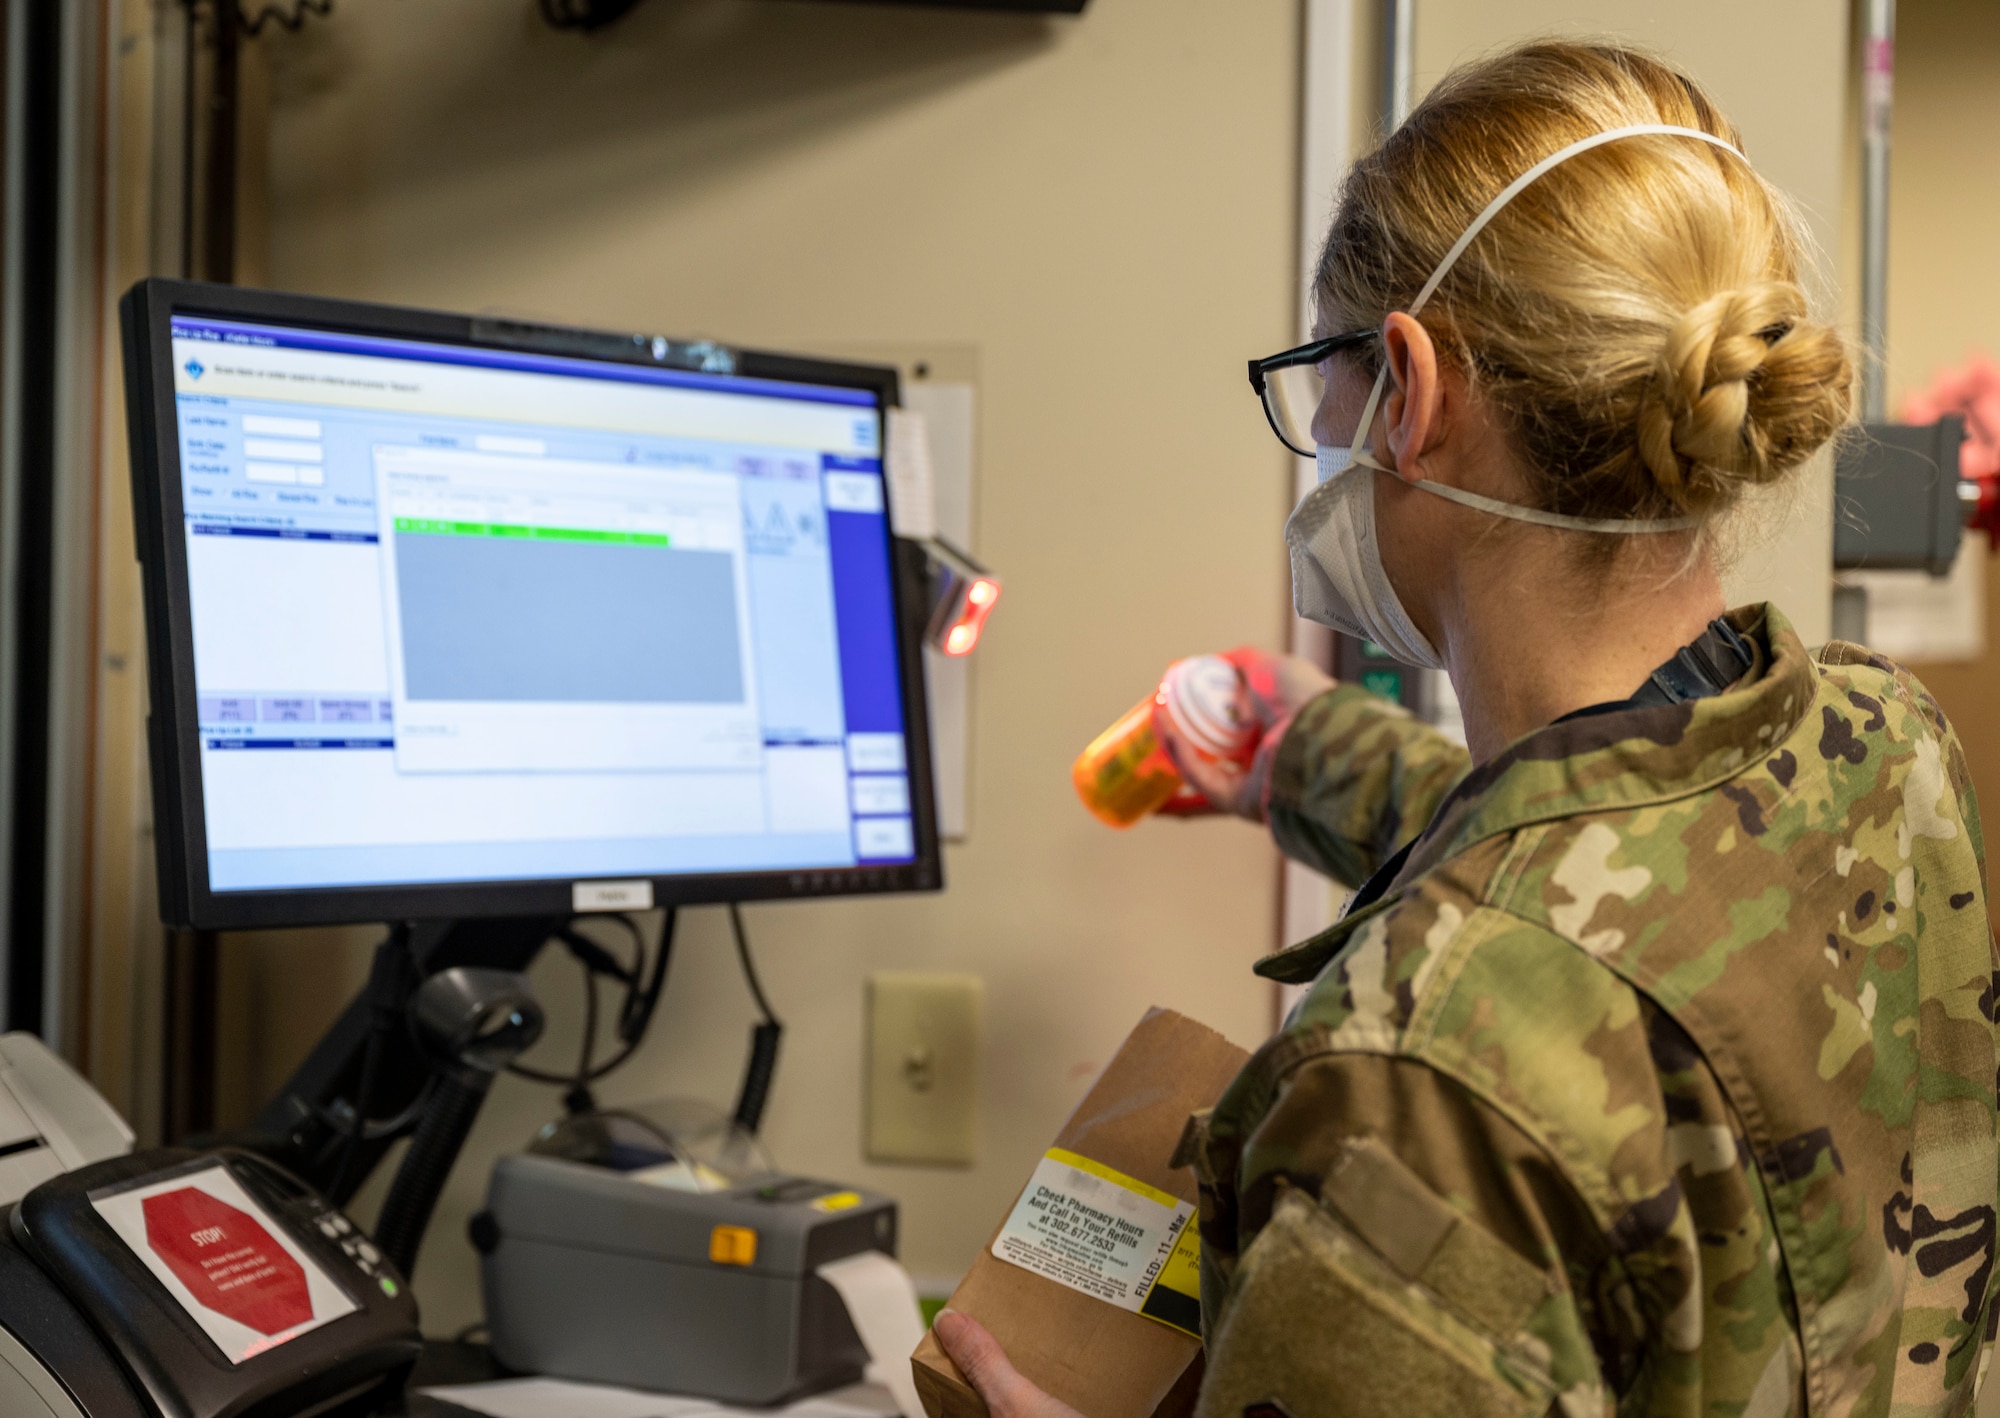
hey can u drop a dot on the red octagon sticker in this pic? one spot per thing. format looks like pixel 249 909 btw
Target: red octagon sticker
pixel 228 1260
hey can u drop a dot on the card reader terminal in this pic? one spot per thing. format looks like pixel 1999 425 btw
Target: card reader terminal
pixel 223 1286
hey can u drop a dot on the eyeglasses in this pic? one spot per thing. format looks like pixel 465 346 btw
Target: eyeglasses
pixel 1292 385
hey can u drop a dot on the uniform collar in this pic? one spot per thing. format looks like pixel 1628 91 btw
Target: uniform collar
pixel 1609 762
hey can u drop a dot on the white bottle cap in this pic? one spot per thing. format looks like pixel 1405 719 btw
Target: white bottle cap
pixel 1209 704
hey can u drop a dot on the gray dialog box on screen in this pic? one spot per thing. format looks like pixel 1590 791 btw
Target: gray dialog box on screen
pixel 518 621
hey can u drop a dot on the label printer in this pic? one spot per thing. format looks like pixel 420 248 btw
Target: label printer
pixel 611 1277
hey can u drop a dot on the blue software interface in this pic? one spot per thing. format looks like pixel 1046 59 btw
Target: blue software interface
pixel 464 615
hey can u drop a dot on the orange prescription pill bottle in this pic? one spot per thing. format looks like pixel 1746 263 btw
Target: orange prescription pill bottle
pixel 1125 773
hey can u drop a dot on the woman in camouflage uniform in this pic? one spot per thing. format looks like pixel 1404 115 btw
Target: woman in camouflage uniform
pixel 1653 1069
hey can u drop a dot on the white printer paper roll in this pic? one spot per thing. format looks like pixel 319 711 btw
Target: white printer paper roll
pixel 882 1302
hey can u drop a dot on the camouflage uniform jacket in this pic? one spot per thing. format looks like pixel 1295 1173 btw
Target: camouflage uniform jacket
pixel 1660 1081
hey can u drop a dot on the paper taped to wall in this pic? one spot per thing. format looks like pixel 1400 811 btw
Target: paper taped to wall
pixel 882 1303
pixel 912 482
pixel 1916 617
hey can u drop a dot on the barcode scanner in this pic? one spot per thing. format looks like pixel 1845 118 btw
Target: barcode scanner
pixel 470 1023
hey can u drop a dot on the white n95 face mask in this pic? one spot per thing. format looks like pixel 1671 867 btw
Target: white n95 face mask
pixel 1337 574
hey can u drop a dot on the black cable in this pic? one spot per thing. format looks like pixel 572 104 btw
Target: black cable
pixel 293 19
pixel 579 1099
pixel 749 966
pixel 585 15
pixel 390 977
pixel 634 1014
pixel 441 1134
pixel 762 1065
pixel 586 1054
pixel 381 1129
pixel 599 961
pixel 594 960
pixel 357 1126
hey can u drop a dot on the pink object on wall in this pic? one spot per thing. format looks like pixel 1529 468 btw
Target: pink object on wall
pixel 1972 390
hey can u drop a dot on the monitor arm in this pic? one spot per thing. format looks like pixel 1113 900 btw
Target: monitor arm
pixel 369 1053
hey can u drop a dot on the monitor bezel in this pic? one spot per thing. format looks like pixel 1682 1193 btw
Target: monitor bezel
pixel 174 740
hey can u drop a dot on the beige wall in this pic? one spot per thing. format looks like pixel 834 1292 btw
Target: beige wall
pixel 1779 69
pixel 1944 205
pixel 1105 210
pixel 1944 284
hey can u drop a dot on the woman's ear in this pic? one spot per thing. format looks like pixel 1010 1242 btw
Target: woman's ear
pixel 1413 408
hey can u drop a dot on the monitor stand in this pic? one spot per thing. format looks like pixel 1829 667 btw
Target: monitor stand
pixel 369 1053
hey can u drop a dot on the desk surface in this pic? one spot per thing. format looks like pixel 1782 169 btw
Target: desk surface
pixel 444 1362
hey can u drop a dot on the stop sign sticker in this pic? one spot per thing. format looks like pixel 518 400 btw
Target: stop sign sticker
pixel 227 1260
pixel 240 1274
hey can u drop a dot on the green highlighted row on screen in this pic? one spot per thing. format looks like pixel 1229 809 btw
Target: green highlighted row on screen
pixel 437 527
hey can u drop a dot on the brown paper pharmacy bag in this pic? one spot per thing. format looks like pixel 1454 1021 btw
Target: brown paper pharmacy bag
pixel 1102 1360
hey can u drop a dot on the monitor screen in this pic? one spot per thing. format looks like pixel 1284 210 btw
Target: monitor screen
pixel 465 614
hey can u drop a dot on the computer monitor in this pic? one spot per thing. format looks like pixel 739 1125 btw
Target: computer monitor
pixel 451 617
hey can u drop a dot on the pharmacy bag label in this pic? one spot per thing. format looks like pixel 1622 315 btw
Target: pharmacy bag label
pixel 1081 1224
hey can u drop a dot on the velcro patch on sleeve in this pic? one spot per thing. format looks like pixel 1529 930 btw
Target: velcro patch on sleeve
pixel 1430 1243
pixel 1321 1326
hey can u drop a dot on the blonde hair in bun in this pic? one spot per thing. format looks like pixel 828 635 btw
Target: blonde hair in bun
pixel 1635 314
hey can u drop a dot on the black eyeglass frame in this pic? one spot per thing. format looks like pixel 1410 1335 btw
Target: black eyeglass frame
pixel 1310 353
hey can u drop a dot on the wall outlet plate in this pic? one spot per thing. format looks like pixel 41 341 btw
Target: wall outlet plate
pixel 923 1068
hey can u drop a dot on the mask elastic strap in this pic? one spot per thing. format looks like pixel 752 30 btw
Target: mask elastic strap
pixel 1356 454
pixel 1554 159
pixel 1614 525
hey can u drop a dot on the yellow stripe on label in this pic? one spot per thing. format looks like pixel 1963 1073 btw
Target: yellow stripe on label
pixel 1117 1179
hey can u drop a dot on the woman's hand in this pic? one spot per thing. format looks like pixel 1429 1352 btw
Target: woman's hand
pixel 980 1358
pixel 1279 686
